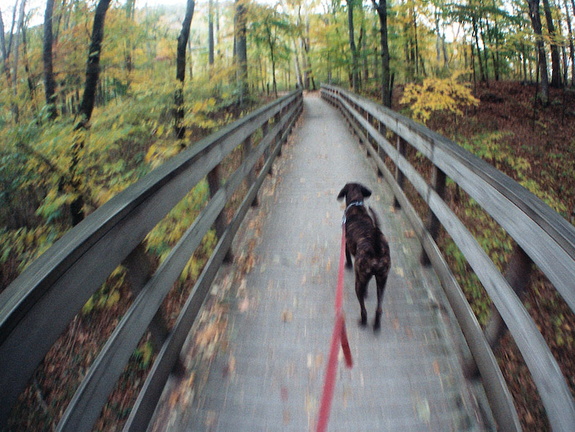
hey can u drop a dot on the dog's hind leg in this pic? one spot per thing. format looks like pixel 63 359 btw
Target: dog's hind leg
pixel 348 264
pixel 381 281
pixel 360 290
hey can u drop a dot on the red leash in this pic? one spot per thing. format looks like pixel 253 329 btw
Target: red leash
pixel 338 337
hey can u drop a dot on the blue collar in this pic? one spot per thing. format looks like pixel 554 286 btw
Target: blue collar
pixel 351 204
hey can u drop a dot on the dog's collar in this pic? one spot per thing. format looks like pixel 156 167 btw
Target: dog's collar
pixel 351 204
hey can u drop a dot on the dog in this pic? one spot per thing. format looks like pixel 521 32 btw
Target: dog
pixel 367 244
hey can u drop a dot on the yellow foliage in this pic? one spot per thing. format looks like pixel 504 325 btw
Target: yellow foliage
pixel 436 94
pixel 161 151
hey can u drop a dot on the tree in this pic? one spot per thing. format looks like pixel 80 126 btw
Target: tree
pixel 555 57
pixel 49 81
pixel 211 44
pixel 353 47
pixel 241 49
pixel 270 28
pixel 19 38
pixel 571 47
pixel 130 43
pixel 179 128
pixel 86 108
pixel 386 81
pixel 541 57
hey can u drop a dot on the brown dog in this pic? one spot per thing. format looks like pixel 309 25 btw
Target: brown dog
pixel 366 242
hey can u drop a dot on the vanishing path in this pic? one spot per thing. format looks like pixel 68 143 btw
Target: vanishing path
pixel 256 361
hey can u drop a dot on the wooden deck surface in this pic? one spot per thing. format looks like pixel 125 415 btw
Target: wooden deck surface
pixel 256 359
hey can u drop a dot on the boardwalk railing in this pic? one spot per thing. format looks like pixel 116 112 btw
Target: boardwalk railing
pixel 36 308
pixel 542 236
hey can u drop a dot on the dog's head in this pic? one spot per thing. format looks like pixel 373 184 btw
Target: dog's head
pixel 353 192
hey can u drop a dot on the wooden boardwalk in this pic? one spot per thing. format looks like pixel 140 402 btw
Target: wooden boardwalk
pixel 256 359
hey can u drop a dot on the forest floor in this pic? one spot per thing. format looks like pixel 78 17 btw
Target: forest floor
pixel 536 146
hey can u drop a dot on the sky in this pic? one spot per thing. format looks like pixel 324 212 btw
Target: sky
pixel 38 6
pixel 7 6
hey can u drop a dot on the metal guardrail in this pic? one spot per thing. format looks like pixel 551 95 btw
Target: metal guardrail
pixel 36 308
pixel 541 234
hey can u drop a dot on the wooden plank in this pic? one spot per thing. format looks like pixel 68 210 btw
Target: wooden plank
pixel 91 396
pixel 46 305
pixel 37 306
pixel 550 382
pixel 544 235
pixel 150 394
pixel 498 394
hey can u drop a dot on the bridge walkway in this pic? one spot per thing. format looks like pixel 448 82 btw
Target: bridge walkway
pixel 256 359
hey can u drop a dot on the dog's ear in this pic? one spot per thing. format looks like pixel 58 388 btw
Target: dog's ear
pixel 342 193
pixel 365 192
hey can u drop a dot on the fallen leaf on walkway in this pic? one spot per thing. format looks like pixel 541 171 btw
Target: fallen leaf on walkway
pixel 242 287
pixel 211 418
pixel 436 367
pixel 409 234
pixel 328 265
pixel 284 393
pixel 422 409
pixel 395 324
pixel 399 271
pixel 244 305
pixel 310 404
pixel 287 316
pixel 230 368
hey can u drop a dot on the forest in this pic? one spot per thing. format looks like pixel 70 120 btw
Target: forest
pixel 94 94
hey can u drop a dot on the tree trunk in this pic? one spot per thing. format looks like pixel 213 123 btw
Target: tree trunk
pixel 555 55
pixel 485 43
pixel 478 50
pixel 299 76
pixel 179 128
pixel 211 45
pixel 29 79
pixel 352 47
pixel 571 47
pixel 416 58
pixel 4 50
pixel 19 37
pixel 541 57
pixel 93 64
pixel 308 72
pixel 381 9
pixel 241 50
pixel 49 81
pixel 129 49
pixel 87 107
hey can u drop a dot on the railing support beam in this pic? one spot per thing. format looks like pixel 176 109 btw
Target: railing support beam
pixel 399 177
pixel 433 224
